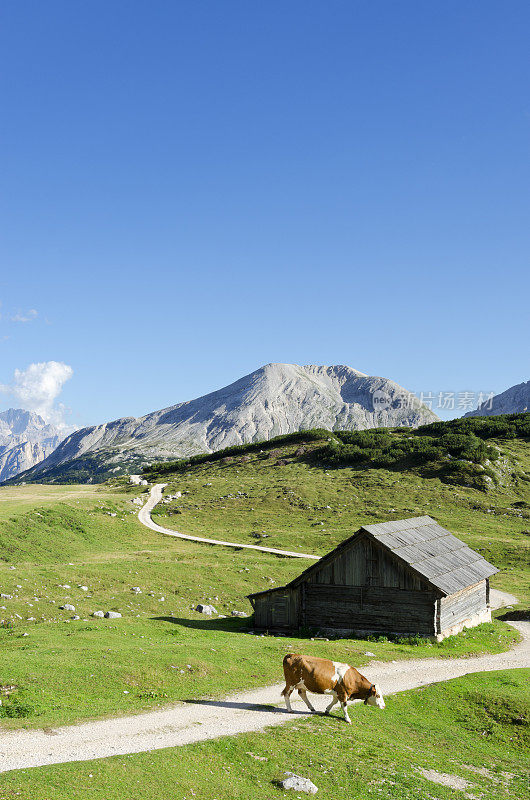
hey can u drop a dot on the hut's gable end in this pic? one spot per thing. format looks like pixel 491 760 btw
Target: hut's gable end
pixel 365 563
pixel 463 605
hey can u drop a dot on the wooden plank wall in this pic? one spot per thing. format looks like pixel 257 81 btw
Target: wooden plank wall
pixel 369 608
pixel 277 610
pixel 366 563
pixel 462 605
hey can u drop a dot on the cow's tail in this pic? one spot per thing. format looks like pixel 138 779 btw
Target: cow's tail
pixel 286 665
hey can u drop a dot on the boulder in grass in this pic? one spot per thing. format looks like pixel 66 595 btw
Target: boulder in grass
pixel 297 783
pixel 239 614
pixel 206 609
pixel 112 615
pixel 67 607
pixel 99 614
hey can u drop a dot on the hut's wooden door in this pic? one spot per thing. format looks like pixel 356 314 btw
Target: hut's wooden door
pixel 279 612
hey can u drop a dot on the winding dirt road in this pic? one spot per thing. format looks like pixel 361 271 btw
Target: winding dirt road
pixel 197 720
pixel 144 515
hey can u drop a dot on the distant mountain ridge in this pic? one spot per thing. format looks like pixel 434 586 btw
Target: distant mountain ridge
pixel 25 440
pixel 514 400
pixel 275 399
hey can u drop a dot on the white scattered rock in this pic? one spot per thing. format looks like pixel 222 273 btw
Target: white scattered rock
pixel 67 607
pixel 136 590
pixel 7 596
pixel 205 609
pixel 136 480
pixel 99 614
pixel 76 616
pixel 297 783
pixel 368 653
pixel 239 614
pixel 112 615
pixel 83 588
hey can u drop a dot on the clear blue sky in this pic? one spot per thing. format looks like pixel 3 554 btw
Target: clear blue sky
pixel 193 189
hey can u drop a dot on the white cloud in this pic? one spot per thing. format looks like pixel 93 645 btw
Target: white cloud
pixel 37 387
pixel 26 316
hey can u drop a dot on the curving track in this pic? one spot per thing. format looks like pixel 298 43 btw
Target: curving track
pixel 144 515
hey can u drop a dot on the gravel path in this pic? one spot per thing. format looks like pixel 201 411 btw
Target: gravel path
pixel 196 719
pixel 144 515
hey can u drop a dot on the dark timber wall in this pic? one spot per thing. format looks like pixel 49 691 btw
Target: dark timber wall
pixel 277 610
pixel 370 609
pixel 366 563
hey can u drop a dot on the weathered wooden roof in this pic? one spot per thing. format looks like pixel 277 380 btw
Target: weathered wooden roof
pixel 432 552
pixel 425 547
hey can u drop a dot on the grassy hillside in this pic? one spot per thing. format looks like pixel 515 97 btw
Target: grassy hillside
pixel 285 494
pixel 162 650
pixel 477 728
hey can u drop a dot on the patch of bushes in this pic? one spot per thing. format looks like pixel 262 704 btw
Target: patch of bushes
pixel 503 426
pixel 13 706
pixel 415 640
pixel 456 451
pixel 312 435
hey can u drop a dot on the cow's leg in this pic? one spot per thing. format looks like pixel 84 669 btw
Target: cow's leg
pixel 344 705
pixel 307 701
pixel 333 701
pixel 287 694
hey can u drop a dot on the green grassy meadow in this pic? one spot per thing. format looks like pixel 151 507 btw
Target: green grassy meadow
pixel 161 650
pixel 475 730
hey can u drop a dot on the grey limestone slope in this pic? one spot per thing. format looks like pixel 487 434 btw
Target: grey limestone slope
pixel 273 400
pixel 25 440
pixel 514 400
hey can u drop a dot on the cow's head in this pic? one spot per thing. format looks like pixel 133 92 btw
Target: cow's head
pixel 375 697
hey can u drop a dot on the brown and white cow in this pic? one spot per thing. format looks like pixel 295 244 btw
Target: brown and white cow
pixel 321 676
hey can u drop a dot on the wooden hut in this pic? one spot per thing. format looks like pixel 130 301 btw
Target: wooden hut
pixel 406 577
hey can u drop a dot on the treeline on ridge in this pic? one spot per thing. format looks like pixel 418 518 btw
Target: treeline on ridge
pixel 455 450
